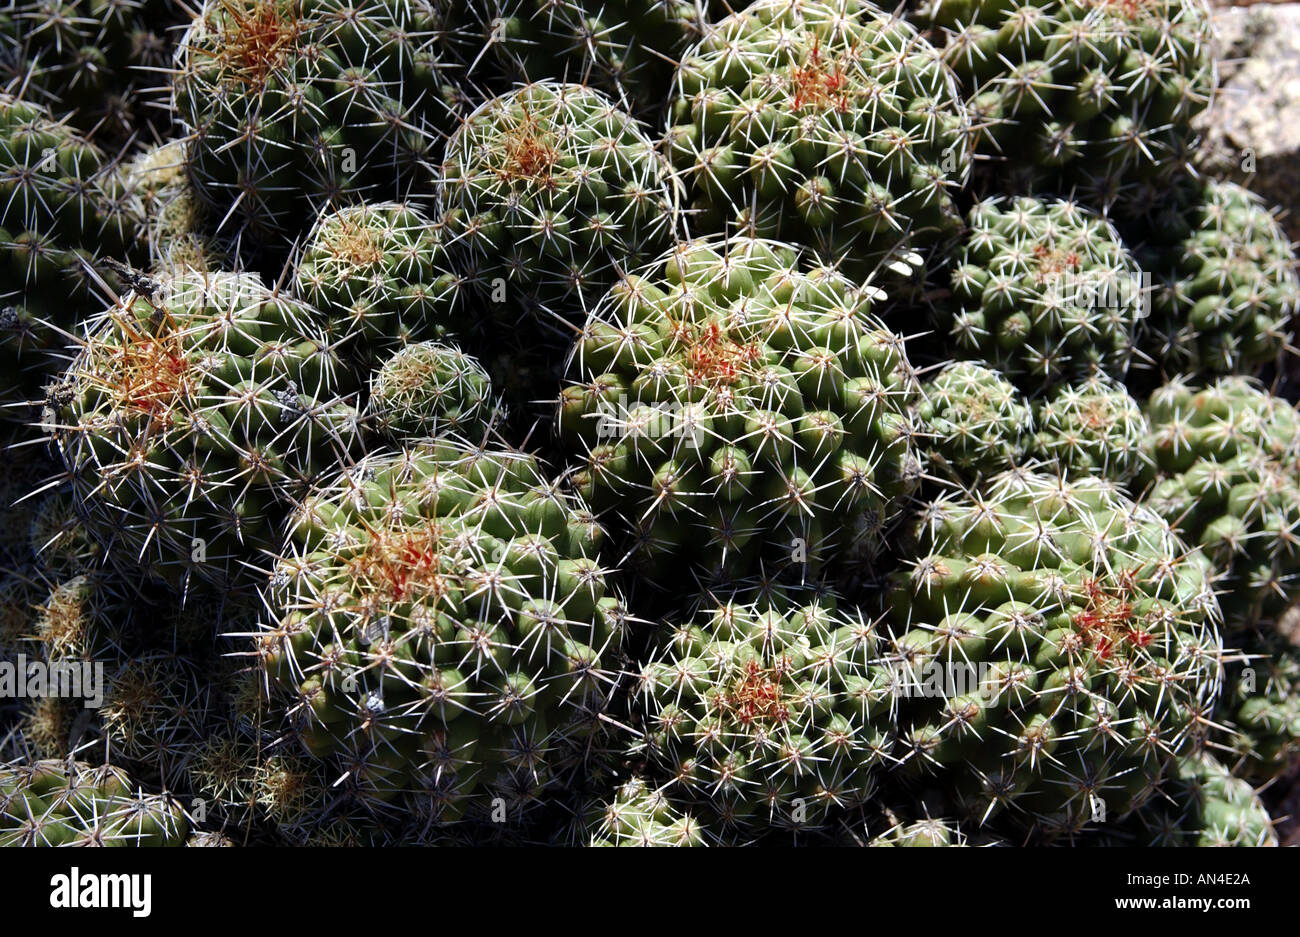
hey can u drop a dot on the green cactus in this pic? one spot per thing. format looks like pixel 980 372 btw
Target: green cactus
pixel 440 626
pixel 1043 292
pixel 767 712
pixel 427 390
pixel 972 422
pixel 927 833
pixel 1226 285
pixel 551 192
pixel 1093 97
pixel 191 409
pixel 1202 804
pixel 63 206
pixel 734 404
pixel 296 105
pixel 176 223
pixel 70 803
pixel 1055 649
pixel 1225 469
pixel 825 122
pixel 626 48
pixel 379 274
pixel 639 815
pixel 1264 706
pixel 1092 428
pixel 94 61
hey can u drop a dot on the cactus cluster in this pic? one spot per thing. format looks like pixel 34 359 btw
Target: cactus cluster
pixel 638 423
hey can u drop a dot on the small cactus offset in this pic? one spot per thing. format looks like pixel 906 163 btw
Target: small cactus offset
pixel 639 815
pixel 427 390
pixel 379 274
pixel 827 123
pixel 1093 428
pixel 972 422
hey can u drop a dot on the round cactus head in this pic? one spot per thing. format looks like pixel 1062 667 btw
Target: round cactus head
pixel 1226 291
pixel 441 626
pixel 427 390
pixel 1044 292
pixel 767 711
pixel 1092 428
pixel 1092 96
pixel 1056 647
pixel 972 422
pixel 192 407
pixel 1224 468
pixel 552 192
pixel 293 106
pixel 826 122
pixel 733 403
pixel 379 274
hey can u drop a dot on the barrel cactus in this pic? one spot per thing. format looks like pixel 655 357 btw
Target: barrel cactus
pixel 191 410
pixel 1226 285
pixel 552 191
pixel 767 711
pixel 826 122
pixel 441 629
pixel 1056 649
pixel 1225 469
pixel 734 404
pixel 1044 292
